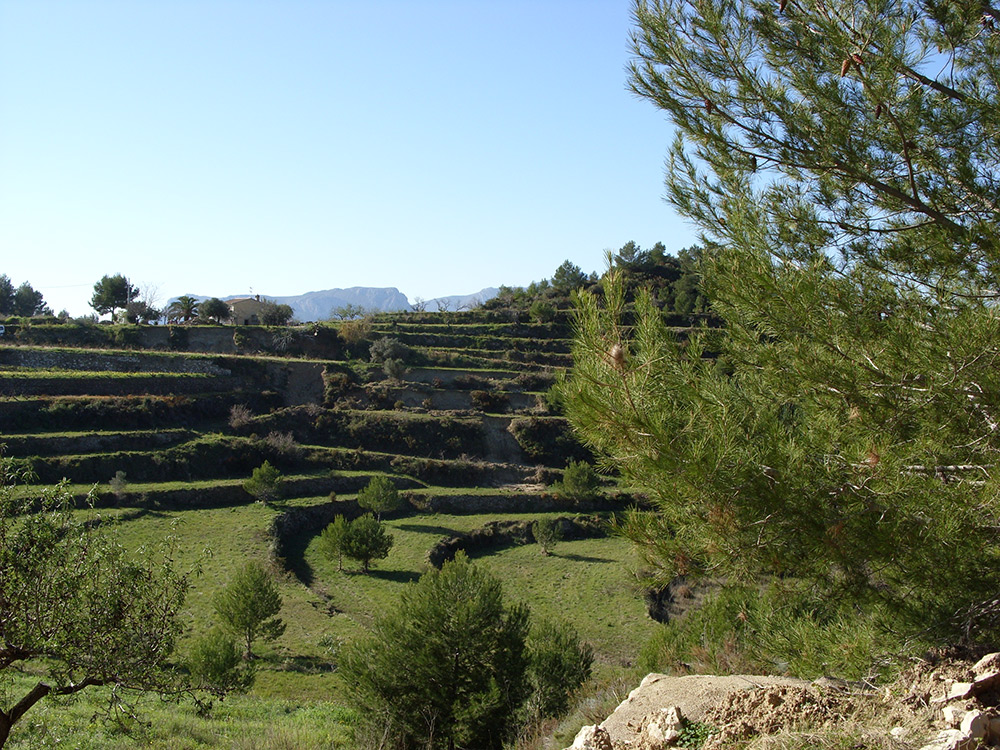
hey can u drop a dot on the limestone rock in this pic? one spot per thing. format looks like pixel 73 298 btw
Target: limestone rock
pixel 975 724
pixel 591 737
pixel 957 691
pixel 994 727
pixel 986 681
pixel 692 694
pixel 951 739
pixel 663 729
pixel 989 663
pixel 953 716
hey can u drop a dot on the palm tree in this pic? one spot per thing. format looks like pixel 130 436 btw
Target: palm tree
pixel 184 308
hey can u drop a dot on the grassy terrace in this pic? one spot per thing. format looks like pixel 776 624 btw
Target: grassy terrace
pixel 27 373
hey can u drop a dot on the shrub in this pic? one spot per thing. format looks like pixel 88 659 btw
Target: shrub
pixel 546 533
pixel 241 340
pixel 335 385
pixel 558 664
pixel 387 348
pixel 118 484
pixel 239 416
pixel 283 443
pixel 264 484
pixel 282 339
pixel 216 664
pixel 379 496
pixel 394 368
pixel 579 482
pixel 547 440
pixel 542 311
pixel 490 401
pixel 353 332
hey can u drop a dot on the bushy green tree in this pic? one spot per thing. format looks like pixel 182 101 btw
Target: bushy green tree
pixel 579 482
pixel 558 664
pixel 77 609
pixel 842 163
pixel 274 314
pixel 214 309
pixel 366 540
pixel 248 606
pixel 447 667
pixel 6 295
pixel 542 311
pixel 29 302
pixel 379 496
pixel 688 296
pixel 546 533
pixel 333 540
pixel 264 483
pixel 568 277
pixel 216 664
pixel 112 293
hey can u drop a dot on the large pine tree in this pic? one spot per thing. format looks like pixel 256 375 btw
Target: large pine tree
pixel 841 428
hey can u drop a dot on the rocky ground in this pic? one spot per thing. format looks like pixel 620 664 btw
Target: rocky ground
pixel 946 701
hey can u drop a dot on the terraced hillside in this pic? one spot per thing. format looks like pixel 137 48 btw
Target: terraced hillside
pixel 170 425
pixel 466 410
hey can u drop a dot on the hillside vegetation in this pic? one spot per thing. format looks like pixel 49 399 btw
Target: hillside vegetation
pixel 454 408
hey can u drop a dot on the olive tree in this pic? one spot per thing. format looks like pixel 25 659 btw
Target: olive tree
pixel 76 608
pixel 275 314
pixel 214 309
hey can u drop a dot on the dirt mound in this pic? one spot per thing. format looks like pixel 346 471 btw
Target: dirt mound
pixel 948 699
pixel 749 713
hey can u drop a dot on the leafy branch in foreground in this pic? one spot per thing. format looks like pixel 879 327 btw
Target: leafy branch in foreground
pixel 78 609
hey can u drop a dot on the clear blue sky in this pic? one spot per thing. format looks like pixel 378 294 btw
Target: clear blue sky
pixel 217 146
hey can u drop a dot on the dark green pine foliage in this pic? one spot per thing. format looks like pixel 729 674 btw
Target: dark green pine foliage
pixel 841 428
pixel 365 540
pixel 447 668
pixel 249 605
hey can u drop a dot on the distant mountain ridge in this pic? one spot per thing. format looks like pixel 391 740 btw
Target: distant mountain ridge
pixel 313 306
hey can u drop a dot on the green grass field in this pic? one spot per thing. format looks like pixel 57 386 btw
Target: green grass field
pixel 297 700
